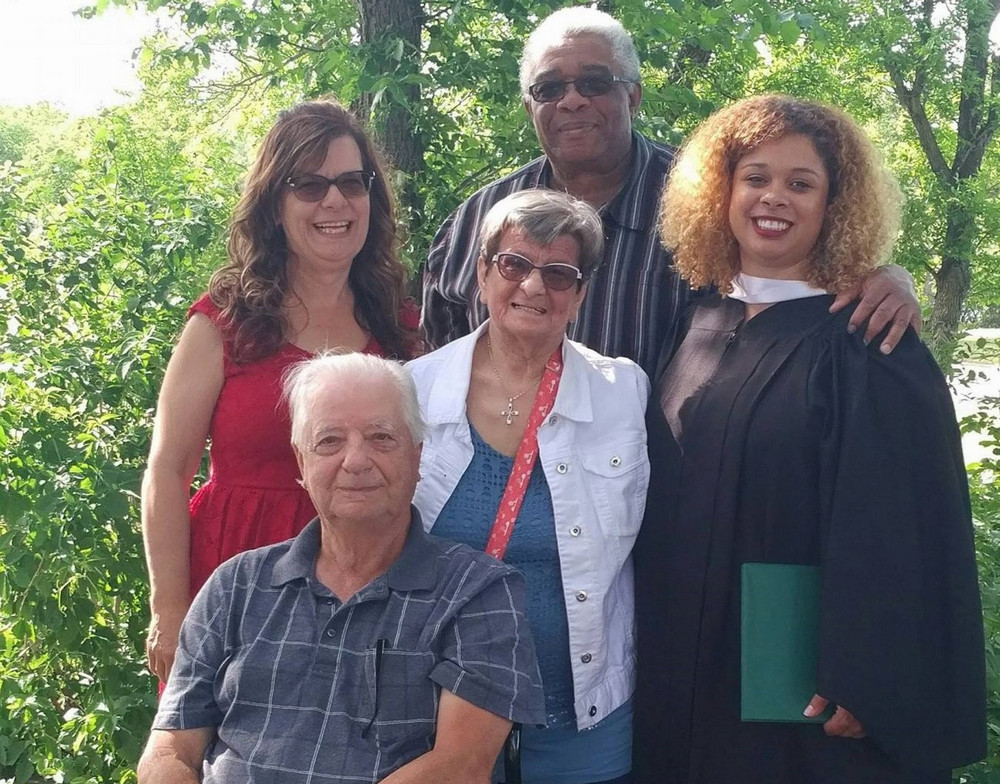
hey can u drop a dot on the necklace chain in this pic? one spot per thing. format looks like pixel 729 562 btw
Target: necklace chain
pixel 509 411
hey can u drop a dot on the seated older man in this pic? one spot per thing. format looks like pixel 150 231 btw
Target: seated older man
pixel 363 649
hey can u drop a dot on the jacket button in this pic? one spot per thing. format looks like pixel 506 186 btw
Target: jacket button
pixel 331 633
pixel 586 658
pixel 562 468
pixel 575 530
pixel 581 596
pixel 615 461
pixel 553 419
pixel 593 710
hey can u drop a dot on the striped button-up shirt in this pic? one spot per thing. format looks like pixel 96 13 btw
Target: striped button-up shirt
pixel 635 297
pixel 301 687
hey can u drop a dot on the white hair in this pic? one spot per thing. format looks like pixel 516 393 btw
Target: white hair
pixel 302 381
pixel 571 22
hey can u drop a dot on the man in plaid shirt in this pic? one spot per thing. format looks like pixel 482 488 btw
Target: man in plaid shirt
pixel 364 649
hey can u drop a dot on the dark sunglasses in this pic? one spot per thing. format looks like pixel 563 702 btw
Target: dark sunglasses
pixel 314 187
pixel 556 276
pixel 587 86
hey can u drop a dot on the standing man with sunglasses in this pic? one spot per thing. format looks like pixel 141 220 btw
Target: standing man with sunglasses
pixel 580 85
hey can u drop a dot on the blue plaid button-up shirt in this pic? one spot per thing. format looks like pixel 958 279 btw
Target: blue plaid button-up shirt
pixel 303 688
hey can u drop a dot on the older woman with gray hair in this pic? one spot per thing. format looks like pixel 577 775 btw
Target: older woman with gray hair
pixel 536 451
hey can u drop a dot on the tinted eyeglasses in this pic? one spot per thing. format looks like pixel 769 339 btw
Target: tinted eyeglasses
pixel 314 187
pixel 555 276
pixel 588 86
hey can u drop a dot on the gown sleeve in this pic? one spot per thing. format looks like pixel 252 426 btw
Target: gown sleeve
pixel 901 635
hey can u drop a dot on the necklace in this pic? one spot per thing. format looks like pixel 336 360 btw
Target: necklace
pixel 509 412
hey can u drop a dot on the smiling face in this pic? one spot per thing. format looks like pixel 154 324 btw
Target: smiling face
pixel 578 132
pixel 777 206
pixel 328 233
pixel 528 311
pixel 360 465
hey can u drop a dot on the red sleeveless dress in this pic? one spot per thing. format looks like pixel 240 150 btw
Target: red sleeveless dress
pixel 251 498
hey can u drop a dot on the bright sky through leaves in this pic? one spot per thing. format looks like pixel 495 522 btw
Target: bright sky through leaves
pixel 48 54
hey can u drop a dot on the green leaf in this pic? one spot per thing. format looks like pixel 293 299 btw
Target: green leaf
pixel 789 32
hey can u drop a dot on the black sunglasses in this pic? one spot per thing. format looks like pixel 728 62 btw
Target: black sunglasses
pixel 314 187
pixel 556 276
pixel 587 86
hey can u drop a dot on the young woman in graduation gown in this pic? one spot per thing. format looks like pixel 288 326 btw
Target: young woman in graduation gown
pixel 776 436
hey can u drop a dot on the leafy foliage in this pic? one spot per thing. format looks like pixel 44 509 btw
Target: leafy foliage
pixel 101 252
pixel 109 227
pixel 984 485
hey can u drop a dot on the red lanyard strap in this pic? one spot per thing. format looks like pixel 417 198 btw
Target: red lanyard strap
pixel 524 461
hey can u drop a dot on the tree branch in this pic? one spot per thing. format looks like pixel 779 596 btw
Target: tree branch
pixel 911 101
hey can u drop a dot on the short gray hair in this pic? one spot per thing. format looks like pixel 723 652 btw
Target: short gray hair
pixel 544 216
pixel 304 379
pixel 571 22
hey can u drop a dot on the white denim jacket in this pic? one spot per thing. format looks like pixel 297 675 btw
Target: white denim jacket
pixel 592 449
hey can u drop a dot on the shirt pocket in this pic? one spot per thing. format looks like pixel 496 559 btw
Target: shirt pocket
pixel 406 701
pixel 616 477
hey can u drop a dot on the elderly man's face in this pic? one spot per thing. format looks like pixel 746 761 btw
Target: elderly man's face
pixel 576 131
pixel 360 463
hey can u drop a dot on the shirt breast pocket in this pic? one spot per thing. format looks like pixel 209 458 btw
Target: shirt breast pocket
pixel 405 699
pixel 616 478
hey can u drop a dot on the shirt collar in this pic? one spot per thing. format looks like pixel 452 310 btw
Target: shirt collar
pixel 632 207
pixel 635 206
pixel 415 568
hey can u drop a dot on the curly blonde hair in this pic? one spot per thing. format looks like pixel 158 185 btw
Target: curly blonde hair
pixel 864 201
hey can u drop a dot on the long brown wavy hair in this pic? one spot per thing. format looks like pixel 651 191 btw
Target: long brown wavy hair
pixel 864 202
pixel 250 289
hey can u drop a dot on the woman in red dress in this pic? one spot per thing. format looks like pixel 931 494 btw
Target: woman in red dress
pixel 312 266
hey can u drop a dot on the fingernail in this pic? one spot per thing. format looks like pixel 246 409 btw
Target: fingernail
pixel 851 329
pixel 809 712
pixel 885 348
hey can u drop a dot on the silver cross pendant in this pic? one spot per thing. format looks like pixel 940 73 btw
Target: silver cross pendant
pixel 509 413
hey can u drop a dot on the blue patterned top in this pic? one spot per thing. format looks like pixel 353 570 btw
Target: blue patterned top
pixel 558 753
pixel 468 516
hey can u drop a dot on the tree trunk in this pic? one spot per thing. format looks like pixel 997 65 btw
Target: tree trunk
pixel 953 279
pixel 390 34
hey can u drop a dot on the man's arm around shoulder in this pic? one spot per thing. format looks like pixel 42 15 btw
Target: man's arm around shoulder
pixel 174 756
pixel 466 746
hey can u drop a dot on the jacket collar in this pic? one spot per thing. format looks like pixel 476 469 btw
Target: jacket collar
pixel 446 403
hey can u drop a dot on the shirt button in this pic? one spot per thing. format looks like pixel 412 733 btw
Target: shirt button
pixel 586 658
pixel 330 600
pixel 593 710
pixel 553 419
pixel 562 468
pixel 581 596
pixel 615 461
pixel 575 530
pixel 331 633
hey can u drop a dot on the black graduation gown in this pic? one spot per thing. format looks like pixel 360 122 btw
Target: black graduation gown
pixel 787 440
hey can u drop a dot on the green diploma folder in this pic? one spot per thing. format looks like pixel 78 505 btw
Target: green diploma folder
pixel 779 641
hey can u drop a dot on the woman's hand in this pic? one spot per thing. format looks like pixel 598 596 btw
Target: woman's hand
pixel 161 641
pixel 841 725
pixel 885 296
